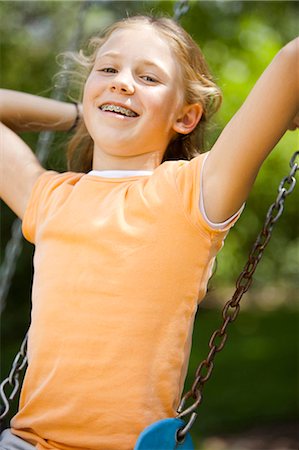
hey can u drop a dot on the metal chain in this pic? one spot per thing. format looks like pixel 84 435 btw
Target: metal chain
pixel 232 307
pixel 180 8
pixel 12 252
pixel 204 370
pixel 12 380
pixel 229 314
pixel 14 246
pixel 45 139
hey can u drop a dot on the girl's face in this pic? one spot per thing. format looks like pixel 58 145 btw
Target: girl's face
pixel 133 98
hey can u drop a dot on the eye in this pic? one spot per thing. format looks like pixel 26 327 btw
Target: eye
pixel 108 70
pixel 149 79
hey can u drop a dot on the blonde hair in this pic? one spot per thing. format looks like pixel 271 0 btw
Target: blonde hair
pixel 198 84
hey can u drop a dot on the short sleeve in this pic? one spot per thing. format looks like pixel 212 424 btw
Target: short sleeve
pixel 189 184
pixel 49 189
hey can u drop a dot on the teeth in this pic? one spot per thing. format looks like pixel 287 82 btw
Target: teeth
pixel 118 109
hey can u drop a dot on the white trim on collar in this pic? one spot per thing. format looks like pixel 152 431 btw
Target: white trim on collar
pixel 119 173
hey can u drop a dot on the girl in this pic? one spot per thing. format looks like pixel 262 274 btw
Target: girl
pixel 124 252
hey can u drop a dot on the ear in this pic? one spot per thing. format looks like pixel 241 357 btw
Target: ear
pixel 188 119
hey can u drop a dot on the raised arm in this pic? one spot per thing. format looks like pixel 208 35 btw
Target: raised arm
pixel 19 169
pixel 26 112
pixel 234 161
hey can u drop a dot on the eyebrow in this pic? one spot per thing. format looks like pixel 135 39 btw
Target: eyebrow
pixel 146 62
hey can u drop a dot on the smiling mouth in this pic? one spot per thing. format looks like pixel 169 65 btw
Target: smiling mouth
pixel 118 110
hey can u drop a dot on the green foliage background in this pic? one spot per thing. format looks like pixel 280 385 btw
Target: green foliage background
pixel 239 39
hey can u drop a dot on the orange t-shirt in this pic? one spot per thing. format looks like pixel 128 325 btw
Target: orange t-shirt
pixel 120 266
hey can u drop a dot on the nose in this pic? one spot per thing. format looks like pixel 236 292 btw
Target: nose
pixel 122 83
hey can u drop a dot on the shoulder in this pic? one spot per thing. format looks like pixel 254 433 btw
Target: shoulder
pixel 50 186
pixel 50 190
pixel 181 169
pixel 49 181
pixel 185 178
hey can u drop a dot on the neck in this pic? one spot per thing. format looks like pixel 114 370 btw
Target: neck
pixel 147 161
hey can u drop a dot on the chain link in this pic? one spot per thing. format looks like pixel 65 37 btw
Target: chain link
pixel 12 380
pixel 45 139
pixel 14 246
pixel 229 314
pixel 180 8
pixel 12 251
pixel 232 307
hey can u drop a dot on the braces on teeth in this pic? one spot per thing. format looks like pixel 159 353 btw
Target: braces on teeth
pixel 118 109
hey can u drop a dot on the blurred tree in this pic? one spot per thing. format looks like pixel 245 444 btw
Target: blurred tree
pixel 239 39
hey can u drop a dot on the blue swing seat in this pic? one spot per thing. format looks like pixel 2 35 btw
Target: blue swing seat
pixel 161 435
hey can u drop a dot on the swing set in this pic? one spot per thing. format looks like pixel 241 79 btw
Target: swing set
pixel 171 433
